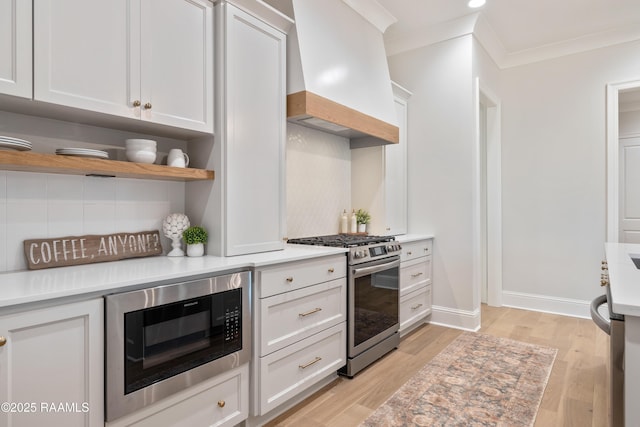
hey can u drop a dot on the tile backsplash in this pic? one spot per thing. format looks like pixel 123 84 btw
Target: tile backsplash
pixel 318 181
pixel 34 205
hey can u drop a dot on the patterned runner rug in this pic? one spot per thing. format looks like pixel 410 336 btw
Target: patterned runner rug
pixel 477 380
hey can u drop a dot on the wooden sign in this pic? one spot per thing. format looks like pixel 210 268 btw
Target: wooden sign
pixel 76 250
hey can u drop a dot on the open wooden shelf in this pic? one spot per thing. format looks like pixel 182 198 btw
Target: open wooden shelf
pixel 73 165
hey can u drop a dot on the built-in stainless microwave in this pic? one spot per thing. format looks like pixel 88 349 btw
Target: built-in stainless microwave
pixel 163 339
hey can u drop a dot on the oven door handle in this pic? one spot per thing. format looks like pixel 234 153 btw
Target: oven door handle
pixel 359 272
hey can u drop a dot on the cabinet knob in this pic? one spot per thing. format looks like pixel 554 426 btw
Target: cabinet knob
pixel 147 106
pixel 221 403
pixel 3 341
pixel 136 103
pixel 289 279
pixel 331 270
pixel 409 253
pixel 604 282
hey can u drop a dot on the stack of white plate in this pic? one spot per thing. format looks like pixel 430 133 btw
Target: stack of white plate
pixel 7 142
pixel 82 152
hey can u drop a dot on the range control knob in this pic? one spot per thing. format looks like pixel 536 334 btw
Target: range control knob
pixel 359 254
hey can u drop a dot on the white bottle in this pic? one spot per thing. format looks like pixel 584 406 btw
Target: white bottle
pixel 343 222
pixel 354 223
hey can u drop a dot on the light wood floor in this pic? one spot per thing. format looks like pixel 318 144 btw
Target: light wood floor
pixel 576 394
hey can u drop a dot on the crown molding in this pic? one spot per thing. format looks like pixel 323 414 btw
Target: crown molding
pixel 479 26
pixel 373 12
pixel 432 35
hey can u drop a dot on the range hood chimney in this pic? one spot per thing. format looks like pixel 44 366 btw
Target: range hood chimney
pixel 337 73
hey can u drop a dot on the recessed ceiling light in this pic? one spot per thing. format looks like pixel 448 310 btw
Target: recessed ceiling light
pixel 476 3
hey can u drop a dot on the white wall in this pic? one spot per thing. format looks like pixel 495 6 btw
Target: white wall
pixel 553 170
pixel 440 168
pixel 554 177
pixel 38 205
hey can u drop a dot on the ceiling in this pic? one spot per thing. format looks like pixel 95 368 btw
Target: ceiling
pixel 522 26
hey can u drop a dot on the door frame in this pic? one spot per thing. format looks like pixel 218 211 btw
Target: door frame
pixel 613 164
pixel 488 251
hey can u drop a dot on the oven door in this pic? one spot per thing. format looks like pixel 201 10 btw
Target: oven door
pixel 165 339
pixel 373 303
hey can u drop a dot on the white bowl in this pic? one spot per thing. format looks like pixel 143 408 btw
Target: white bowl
pixel 141 156
pixel 141 144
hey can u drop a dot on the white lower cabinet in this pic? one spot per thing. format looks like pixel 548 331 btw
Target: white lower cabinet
pixel 51 366
pixel 415 284
pixel 218 402
pixel 299 328
pixel 286 373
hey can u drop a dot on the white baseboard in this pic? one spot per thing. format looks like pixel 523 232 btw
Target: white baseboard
pixel 547 304
pixel 454 318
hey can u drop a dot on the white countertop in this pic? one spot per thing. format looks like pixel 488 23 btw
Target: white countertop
pixel 624 278
pixel 406 238
pixel 23 287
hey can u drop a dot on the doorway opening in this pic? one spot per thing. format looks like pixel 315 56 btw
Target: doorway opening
pixel 488 215
pixel 616 92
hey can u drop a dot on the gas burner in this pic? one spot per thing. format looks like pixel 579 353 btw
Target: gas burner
pixel 362 248
pixel 342 240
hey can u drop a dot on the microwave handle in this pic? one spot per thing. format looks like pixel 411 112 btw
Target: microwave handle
pixel 359 272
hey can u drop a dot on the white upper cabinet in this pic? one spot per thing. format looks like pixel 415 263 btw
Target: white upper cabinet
pixel 150 60
pixel 15 48
pixel 395 174
pixel 252 127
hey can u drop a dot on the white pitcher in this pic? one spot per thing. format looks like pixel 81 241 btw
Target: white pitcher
pixel 177 158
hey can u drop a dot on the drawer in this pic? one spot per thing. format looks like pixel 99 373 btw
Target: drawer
pixel 286 373
pixel 219 402
pixel 415 274
pixel 413 250
pixel 292 316
pixel 296 275
pixel 414 307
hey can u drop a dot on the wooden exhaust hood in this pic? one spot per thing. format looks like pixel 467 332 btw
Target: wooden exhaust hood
pixel 309 109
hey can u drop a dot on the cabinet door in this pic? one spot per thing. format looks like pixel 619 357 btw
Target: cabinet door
pixel 255 131
pixel 176 86
pixel 53 357
pixel 15 47
pixel 396 177
pixel 85 54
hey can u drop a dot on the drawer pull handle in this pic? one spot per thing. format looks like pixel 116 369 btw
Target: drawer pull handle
pixel 426 249
pixel 289 279
pixel 416 275
pixel 409 253
pixel 415 307
pixel 315 310
pixel 221 403
pixel 313 362
pixel 331 270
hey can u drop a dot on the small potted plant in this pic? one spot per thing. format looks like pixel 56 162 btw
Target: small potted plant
pixel 362 218
pixel 195 237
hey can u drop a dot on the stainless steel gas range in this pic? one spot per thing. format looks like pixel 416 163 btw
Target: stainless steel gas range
pixel 373 295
